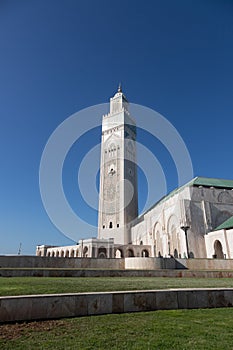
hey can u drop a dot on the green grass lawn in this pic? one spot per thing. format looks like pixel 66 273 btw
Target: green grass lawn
pixel 46 285
pixel 173 329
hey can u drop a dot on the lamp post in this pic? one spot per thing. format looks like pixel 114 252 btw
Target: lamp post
pixel 185 229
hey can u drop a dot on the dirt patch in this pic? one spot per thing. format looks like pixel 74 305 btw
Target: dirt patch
pixel 16 330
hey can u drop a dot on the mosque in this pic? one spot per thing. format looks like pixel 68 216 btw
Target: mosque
pixel 193 221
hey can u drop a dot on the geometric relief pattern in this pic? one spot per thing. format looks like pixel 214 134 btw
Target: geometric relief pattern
pixel 225 197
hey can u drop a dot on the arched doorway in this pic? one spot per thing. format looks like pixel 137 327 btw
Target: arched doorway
pixel 145 253
pixel 173 236
pixel 102 253
pixel 175 253
pixel 119 254
pixel 129 253
pixel 218 252
pixel 157 239
pixel 85 249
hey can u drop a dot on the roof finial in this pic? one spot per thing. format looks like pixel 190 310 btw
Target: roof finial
pixel 119 88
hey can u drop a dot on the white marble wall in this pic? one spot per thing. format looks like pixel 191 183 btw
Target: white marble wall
pixel 199 208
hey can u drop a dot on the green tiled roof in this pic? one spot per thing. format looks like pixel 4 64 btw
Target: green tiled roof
pixel 197 181
pixel 210 182
pixel 226 224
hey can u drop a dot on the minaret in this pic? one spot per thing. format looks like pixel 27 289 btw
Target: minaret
pixel 118 196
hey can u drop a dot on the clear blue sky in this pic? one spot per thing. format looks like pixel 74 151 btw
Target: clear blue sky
pixel 58 57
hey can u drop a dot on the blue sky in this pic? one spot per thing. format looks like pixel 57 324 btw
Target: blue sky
pixel 58 57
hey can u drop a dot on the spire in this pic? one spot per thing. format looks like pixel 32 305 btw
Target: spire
pixel 119 88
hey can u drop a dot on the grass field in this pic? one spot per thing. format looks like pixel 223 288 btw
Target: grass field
pixel 46 285
pixel 173 329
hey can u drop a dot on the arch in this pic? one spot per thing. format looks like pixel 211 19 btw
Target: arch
pixel 110 224
pixel 129 253
pixel 57 253
pixel 157 239
pixel 39 253
pixel 172 221
pixel 102 253
pixel 156 228
pixel 85 250
pixel 119 253
pixel 53 253
pixel 145 253
pixel 173 230
pixel 175 254
pixel 67 254
pixel 62 253
pixel 218 252
pixel 77 251
pixel 141 232
pixel 48 254
pixel 72 253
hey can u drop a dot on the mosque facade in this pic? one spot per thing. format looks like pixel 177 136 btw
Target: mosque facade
pixel 193 221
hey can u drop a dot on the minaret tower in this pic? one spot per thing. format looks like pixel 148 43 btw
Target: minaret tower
pixel 118 196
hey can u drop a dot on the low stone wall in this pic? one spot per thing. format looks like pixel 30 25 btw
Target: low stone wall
pixel 37 307
pixel 207 264
pixel 30 261
pixel 20 261
pixel 171 263
pixel 153 263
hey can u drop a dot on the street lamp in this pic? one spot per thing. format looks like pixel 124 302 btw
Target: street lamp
pixel 185 229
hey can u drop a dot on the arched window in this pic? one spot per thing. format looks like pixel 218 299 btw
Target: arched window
pixel 110 224
pixel 218 252
pixel 112 150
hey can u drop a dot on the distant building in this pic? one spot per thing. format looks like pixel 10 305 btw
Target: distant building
pixel 185 223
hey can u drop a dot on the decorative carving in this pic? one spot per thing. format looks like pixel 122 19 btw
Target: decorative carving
pixel 225 197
